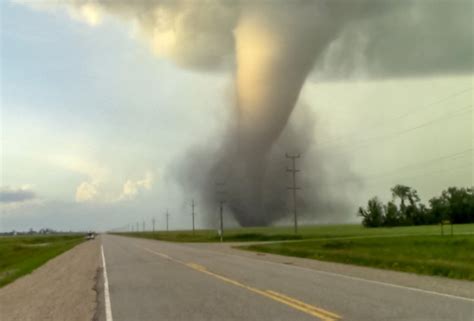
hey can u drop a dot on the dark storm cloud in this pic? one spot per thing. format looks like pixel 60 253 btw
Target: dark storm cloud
pixel 403 38
pixel 380 38
pixel 11 195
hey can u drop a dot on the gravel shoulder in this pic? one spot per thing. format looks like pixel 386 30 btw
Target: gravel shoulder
pixel 62 289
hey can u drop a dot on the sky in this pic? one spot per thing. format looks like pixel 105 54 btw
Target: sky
pixel 94 120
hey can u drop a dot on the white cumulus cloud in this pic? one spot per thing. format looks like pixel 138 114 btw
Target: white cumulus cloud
pixel 132 188
pixel 87 191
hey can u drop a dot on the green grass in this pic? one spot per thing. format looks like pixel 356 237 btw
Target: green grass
pixel 254 234
pixel 211 236
pixel 417 249
pixel 20 255
pixel 447 256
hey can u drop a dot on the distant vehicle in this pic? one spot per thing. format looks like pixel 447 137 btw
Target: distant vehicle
pixel 90 236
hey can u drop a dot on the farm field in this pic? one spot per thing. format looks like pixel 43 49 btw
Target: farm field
pixel 258 234
pixel 20 255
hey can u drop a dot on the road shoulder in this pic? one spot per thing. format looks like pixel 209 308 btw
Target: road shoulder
pixel 62 289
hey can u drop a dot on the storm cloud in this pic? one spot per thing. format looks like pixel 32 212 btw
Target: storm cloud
pixel 271 48
pixel 15 195
pixel 373 38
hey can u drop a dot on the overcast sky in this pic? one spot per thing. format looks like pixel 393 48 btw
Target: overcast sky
pixel 93 119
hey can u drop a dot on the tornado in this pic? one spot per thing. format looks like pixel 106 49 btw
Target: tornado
pixel 275 52
pixel 270 48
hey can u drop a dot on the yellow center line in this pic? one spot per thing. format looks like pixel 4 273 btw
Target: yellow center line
pixel 165 256
pixel 289 301
pixel 308 306
pixel 295 304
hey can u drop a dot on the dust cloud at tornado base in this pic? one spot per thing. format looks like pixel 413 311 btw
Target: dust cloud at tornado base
pixel 325 179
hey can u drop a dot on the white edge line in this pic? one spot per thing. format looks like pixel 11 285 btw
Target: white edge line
pixel 384 283
pixel 108 309
pixel 354 278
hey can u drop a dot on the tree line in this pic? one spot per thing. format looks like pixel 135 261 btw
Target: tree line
pixel 455 205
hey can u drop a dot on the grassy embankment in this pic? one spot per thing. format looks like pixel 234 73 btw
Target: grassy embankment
pixel 448 256
pixel 417 249
pixel 20 255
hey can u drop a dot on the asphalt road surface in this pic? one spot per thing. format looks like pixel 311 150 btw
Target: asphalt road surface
pixel 151 280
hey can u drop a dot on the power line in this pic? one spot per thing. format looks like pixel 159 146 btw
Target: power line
pixel 451 156
pixel 461 167
pixel 404 115
pixel 293 188
pixel 221 193
pixel 369 140
pixel 455 94
pixel 393 171
pixel 193 206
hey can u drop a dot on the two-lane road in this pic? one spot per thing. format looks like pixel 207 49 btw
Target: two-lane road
pixel 152 280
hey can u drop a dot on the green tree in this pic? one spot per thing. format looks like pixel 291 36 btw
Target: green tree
pixel 373 215
pixel 439 210
pixel 392 215
pixel 454 204
pixel 460 203
pixel 401 192
pixel 411 213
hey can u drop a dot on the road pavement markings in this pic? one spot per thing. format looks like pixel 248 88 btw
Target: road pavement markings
pixel 108 309
pixel 355 278
pixel 162 255
pixel 311 307
pixel 294 303
pixel 349 277
pixel 333 274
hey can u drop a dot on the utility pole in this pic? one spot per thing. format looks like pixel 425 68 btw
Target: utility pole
pixel 192 205
pixel 153 223
pixel 293 170
pixel 220 192
pixel 167 221
pixel 222 219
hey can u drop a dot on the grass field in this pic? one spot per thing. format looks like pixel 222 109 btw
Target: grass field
pixel 447 256
pixel 19 255
pixel 254 234
pixel 417 249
